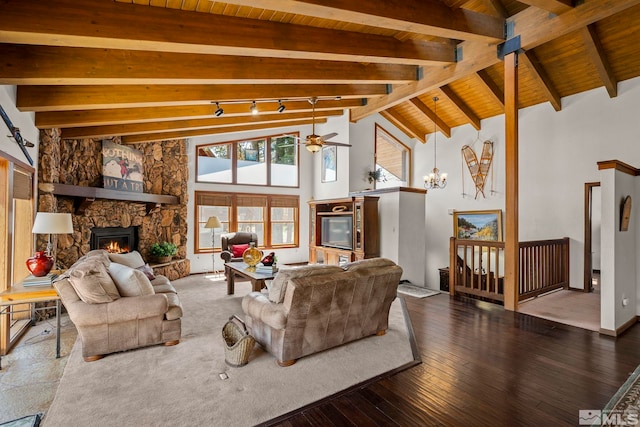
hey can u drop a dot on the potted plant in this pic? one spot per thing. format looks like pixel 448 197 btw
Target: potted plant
pixel 163 251
pixel 375 176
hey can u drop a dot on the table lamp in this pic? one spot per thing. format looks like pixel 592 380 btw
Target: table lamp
pixel 52 223
pixel 213 222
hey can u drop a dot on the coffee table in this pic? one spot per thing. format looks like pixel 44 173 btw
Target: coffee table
pixel 241 269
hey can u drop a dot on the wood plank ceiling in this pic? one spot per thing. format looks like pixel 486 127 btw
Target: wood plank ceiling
pixel 154 69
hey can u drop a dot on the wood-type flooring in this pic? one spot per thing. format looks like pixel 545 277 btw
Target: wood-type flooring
pixel 484 366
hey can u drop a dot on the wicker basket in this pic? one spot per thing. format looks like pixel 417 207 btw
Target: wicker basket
pixel 238 342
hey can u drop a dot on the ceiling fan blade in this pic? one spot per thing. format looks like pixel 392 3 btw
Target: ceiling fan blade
pixel 337 144
pixel 328 136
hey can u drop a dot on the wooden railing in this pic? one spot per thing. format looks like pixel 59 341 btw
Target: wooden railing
pixel 479 268
pixel 544 266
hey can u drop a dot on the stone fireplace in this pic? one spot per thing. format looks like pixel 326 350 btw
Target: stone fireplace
pixel 64 162
pixel 119 240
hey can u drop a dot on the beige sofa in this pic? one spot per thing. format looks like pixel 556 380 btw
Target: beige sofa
pixel 116 304
pixel 313 308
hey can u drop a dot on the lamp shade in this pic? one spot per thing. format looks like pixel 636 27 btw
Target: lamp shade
pixel 213 222
pixel 52 223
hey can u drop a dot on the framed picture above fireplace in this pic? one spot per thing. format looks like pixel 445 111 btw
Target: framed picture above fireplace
pixel 122 167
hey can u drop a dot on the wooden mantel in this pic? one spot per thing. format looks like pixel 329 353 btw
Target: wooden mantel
pixel 86 195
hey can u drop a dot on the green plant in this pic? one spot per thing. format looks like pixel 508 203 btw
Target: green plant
pixel 375 175
pixel 163 249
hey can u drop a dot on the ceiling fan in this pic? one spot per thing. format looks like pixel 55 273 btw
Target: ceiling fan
pixel 315 142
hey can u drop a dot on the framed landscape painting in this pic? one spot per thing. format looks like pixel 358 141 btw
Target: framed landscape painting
pixel 478 225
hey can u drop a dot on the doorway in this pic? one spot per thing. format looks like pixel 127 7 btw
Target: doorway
pixel 592 224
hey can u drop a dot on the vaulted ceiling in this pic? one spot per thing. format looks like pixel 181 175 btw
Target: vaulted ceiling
pixel 155 69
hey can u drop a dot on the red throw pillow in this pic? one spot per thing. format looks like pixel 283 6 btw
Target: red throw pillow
pixel 238 250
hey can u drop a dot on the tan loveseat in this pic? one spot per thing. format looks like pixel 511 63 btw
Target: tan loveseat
pixel 116 304
pixel 316 307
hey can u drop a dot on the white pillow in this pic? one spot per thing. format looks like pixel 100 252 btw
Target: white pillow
pixel 131 259
pixel 129 281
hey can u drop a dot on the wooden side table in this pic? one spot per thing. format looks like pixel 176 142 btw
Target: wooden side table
pixel 19 294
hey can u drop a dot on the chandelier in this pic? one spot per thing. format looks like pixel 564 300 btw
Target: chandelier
pixel 435 179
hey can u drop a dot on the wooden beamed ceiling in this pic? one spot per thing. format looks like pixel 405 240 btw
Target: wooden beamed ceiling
pixel 148 70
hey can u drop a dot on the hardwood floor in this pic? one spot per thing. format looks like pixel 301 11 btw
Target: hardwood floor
pixel 484 366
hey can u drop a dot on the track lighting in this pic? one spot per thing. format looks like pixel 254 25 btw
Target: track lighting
pixel 254 108
pixel 219 111
pixel 281 107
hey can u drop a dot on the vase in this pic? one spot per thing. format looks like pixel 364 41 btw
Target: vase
pixel 252 255
pixel 40 264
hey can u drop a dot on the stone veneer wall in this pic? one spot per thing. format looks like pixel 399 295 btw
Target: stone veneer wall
pixel 79 162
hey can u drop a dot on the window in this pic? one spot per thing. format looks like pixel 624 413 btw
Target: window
pixel 274 218
pixel 394 158
pixel 270 161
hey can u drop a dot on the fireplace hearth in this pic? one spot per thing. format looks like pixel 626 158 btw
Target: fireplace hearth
pixel 114 239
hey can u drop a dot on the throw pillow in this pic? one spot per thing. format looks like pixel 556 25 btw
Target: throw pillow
pixel 93 284
pixel 130 259
pixel 147 270
pixel 238 250
pixel 129 281
pixel 278 286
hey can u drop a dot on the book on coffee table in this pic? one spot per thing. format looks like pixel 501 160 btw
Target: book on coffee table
pixel 266 268
pixel 32 280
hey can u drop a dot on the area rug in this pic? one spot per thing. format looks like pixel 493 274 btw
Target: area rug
pixel 183 385
pixel 416 291
pixel 625 404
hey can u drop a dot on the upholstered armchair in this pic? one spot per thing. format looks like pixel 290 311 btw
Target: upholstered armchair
pixel 238 239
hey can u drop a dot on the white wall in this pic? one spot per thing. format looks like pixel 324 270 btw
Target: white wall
pixel 558 155
pixel 24 121
pixel 362 136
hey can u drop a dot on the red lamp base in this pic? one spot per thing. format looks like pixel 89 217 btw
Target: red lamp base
pixel 40 264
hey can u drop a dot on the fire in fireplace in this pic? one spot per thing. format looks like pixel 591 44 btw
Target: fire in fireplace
pixel 114 239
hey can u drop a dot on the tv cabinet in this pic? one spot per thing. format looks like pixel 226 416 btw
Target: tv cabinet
pixel 365 233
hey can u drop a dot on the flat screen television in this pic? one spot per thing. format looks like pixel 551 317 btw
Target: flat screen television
pixel 337 231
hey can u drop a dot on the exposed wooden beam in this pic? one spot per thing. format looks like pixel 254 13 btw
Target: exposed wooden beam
pixel 471 117
pixel 164 136
pixel 494 90
pixel 179 125
pixel 430 18
pixel 498 8
pixel 404 125
pixel 535 27
pixel 553 6
pixel 44 65
pixel 540 76
pixel 440 124
pixel 114 25
pixel 80 118
pixel 597 55
pixel 65 98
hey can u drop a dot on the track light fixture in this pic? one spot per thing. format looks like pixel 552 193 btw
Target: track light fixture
pixel 254 108
pixel 281 107
pixel 219 111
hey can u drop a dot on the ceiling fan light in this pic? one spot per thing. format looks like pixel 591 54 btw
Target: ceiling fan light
pixel 313 147
pixel 281 107
pixel 219 111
